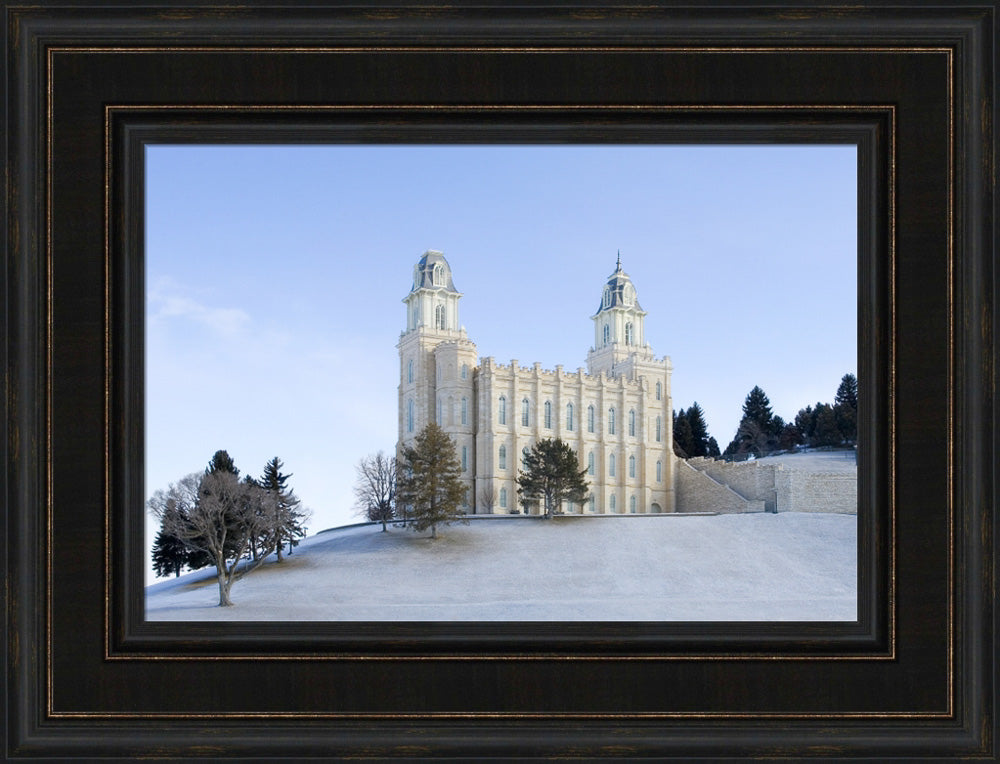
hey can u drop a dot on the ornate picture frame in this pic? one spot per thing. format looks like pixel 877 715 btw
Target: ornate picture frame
pixel 912 86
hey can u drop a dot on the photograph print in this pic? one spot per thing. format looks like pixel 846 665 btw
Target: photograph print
pixel 501 382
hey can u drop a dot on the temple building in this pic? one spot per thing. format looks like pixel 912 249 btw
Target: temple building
pixel 616 415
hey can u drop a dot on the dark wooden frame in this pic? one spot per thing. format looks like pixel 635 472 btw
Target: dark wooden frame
pixel 913 86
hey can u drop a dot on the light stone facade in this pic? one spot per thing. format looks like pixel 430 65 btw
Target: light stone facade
pixel 617 415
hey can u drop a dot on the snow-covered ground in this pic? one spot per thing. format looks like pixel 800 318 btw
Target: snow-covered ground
pixel 752 567
pixel 816 461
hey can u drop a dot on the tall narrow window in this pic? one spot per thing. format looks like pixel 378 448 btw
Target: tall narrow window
pixel 548 415
pixel 611 421
pixel 590 463
pixel 502 458
pixel 503 498
pixel 607 334
pixel 593 503
pixel 525 409
pixel 590 418
pixel 631 466
pixel 465 411
pixel 440 413
pixel 613 503
pixel 465 458
pixel 502 410
pixel 438 276
pixel 628 333
pixel 631 505
pixel 659 472
pixel 465 371
pixel 409 371
pixel 465 498
pixel 659 426
pixel 409 415
pixel 439 317
pixel 569 417
pixel 631 423
pixel 611 465
pixel 416 316
pixel 659 390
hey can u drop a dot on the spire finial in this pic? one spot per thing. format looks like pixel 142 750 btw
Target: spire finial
pixel 619 266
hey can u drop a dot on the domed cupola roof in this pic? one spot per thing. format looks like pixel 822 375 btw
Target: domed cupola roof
pixel 619 291
pixel 433 272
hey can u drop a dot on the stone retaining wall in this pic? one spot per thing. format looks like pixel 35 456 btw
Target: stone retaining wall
pixel 698 492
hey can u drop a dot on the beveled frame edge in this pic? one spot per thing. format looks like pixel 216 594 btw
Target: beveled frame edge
pixel 977 439
pixel 870 638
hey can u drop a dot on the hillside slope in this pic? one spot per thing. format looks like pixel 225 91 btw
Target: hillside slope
pixel 749 567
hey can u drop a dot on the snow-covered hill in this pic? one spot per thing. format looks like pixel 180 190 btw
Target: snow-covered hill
pixel 752 567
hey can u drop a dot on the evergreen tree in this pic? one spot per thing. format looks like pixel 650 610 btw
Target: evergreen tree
pixel 288 519
pixel 429 480
pixel 805 421
pixel 222 462
pixel 699 430
pixel 826 431
pixel 713 448
pixel 683 437
pixel 551 473
pixel 759 429
pixel 169 554
pixel 845 407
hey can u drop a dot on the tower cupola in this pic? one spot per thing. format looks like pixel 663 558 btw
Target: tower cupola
pixel 619 318
pixel 433 300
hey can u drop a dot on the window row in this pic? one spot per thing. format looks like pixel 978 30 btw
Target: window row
pixel 571 418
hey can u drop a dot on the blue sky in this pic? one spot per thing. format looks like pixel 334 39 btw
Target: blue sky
pixel 275 276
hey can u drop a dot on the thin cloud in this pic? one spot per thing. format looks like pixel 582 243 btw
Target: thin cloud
pixel 166 302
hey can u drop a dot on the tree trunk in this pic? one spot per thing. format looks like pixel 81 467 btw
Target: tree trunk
pixel 434 531
pixel 224 585
pixel 278 549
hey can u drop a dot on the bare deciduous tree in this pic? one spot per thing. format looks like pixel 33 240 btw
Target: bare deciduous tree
pixel 487 497
pixel 221 516
pixel 375 488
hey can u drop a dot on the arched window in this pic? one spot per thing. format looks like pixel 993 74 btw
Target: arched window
pixel 503 498
pixel 593 503
pixel 613 503
pixel 409 415
pixel 628 333
pixel 548 415
pixel 659 427
pixel 659 390
pixel 465 411
pixel 631 466
pixel 611 465
pixel 590 463
pixel 569 417
pixel 465 371
pixel 631 422
pixel 607 334
pixel 502 459
pixel 659 472
pixel 438 275
pixel 439 317
pixel 465 458
pixel 611 421
pixel 502 410
pixel 590 418
pixel 631 505
pixel 607 297
pixel 525 409
pixel 440 412
pixel 409 371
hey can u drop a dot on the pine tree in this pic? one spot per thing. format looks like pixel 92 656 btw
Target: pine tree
pixel 288 521
pixel 845 407
pixel 222 462
pixel 826 431
pixel 757 408
pixel 552 473
pixel 699 430
pixel 683 437
pixel 169 554
pixel 713 448
pixel 759 429
pixel 429 480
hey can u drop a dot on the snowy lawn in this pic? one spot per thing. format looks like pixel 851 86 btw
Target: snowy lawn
pixel 753 567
